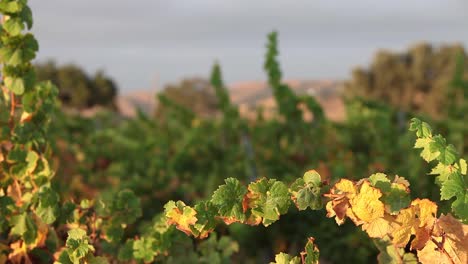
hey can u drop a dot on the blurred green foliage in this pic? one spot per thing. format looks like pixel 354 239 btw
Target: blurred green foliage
pixel 197 139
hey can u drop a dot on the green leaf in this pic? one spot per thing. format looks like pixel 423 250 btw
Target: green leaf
pixel 307 191
pixel 423 130
pixel 453 186
pixel 268 199
pixel 11 6
pixel 228 199
pixel 283 258
pixel 311 251
pixel 396 198
pixel 48 209
pixel 463 166
pixel 22 52
pixel 26 16
pixel 97 260
pixel 206 218
pixel 78 245
pixel 380 181
pixel 31 158
pixel 126 251
pixel 16 85
pixel 144 249
pixel 460 207
pixel 25 227
pixel 312 177
pixel 427 154
pixel 444 172
pixel 16 155
pixel 14 26
pixel 447 154
pixel 19 84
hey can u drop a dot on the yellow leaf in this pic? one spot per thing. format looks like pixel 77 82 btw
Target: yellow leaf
pixel 366 205
pixel 378 228
pixel 426 211
pixel 407 220
pixel 346 187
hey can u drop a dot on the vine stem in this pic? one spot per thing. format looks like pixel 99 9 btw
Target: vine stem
pixel 11 121
pixel 440 247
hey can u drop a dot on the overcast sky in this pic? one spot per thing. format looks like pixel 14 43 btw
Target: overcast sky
pixel 144 44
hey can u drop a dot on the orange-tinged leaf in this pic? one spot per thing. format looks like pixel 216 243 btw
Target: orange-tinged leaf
pixel 422 237
pixel 366 205
pixel 181 215
pixel 340 194
pixel 453 238
pixel 19 253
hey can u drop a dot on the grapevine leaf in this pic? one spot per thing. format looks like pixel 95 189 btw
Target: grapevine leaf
pixel 366 205
pixel 48 205
pixel 460 206
pixel 307 191
pixel 268 199
pixel 378 228
pixel 283 258
pixel 26 16
pixel 22 53
pixel 463 166
pixel 422 129
pixel 19 85
pixel 13 26
pixel 391 254
pixel 228 198
pixel 341 193
pixel 97 260
pixel 443 172
pixel 311 252
pixel 11 6
pixel 126 251
pixel 427 154
pixel 144 249
pixel 206 222
pixel 24 226
pixel 312 177
pixel 447 154
pixel 181 215
pixel 78 245
pixel 421 214
pixel 397 198
pixel 452 237
pixel 453 186
pixel 380 181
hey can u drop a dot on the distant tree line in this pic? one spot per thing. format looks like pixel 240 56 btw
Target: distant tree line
pixel 418 80
pixel 78 89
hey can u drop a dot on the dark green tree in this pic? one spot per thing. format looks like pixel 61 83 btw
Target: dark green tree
pixel 76 88
pixel 417 80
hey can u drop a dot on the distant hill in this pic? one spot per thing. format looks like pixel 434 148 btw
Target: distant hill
pixel 248 95
pixel 129 103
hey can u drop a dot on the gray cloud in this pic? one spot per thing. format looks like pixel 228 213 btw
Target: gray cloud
pixel 138 41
